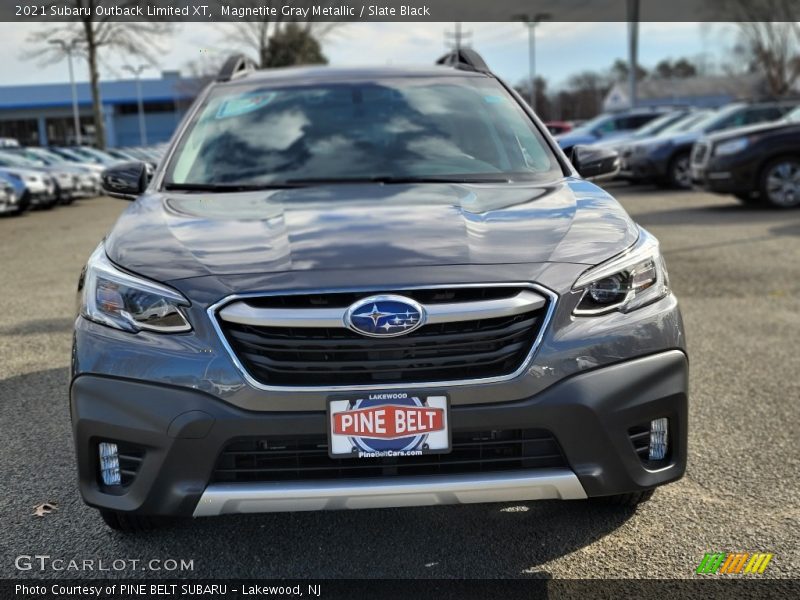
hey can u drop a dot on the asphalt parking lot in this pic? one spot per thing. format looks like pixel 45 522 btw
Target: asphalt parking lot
pixel 736 270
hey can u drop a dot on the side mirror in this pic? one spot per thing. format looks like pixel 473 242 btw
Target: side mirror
pixel 595 162
pixel 127 181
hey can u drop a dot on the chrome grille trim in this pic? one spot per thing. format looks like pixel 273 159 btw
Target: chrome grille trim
pixel 241 312
pixel 216 309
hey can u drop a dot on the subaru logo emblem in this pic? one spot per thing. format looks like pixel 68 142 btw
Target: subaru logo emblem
pixel 384 316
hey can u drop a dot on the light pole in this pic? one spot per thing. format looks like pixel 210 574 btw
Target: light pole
pixel 633 49
pixel 68 48
pixel 531 23
pixel 142 126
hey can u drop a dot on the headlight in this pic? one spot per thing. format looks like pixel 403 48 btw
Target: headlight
pixel 731 147
pixel 631 280
pixel 120 300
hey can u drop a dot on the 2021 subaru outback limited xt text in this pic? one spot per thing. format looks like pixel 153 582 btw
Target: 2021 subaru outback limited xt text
pixel 371 288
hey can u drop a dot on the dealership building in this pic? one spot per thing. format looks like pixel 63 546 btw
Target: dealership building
pixel 39 115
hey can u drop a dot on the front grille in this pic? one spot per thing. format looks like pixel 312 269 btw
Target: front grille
pixel 423 296
pixel 303 356
pixel 301 458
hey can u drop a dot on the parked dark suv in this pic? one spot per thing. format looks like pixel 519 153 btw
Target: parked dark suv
pixel 349 288
pixel 756 164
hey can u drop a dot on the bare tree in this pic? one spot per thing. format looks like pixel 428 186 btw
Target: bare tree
pixel 681 68
pixel 93 36
pixel 769 39
pixel 253 36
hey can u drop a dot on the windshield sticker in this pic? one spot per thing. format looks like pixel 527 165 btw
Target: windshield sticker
pixel 493 99
pixel 246 103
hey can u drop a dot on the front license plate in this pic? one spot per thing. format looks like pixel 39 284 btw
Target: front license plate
pixel 387 424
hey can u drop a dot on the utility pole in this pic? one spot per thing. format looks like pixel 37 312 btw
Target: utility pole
pixel 142 125
pixel 457 39
pixel 531 23
pixel 633 49
pixel 68 48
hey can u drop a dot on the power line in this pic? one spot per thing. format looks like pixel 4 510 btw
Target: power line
pixel 457 38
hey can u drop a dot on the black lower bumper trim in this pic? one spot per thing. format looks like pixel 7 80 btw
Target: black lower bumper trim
pixel 183 431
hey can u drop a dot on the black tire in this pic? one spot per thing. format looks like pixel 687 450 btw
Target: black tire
pixel 128 523
pixel 632 500
pixel 748 198
pixel 679 175
pixel 786 169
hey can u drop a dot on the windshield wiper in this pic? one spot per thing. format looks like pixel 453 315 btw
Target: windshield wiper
pixel 227 187
pixel 396 180
pixel 298 183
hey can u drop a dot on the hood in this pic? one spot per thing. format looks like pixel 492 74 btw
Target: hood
pixel 617 142
pixel 24 173
pixel 89 167
pixel 674 139
pixel 751 130
pixel 169 236
pixel 569 139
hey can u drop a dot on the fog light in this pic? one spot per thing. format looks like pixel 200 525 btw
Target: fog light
pixel 658 439
pixel 109 464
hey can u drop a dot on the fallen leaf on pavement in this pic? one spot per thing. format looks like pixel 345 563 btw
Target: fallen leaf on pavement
pixel 46 508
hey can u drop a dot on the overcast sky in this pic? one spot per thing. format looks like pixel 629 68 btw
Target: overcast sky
pixel 562 48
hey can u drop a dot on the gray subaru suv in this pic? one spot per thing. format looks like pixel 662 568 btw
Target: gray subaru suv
pixel 387 287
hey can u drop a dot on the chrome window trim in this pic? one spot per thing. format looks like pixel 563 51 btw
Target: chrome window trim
pixel 253 382
pixel 241 313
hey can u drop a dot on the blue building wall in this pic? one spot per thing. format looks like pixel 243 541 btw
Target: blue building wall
pixel 159 128
pixel 165 100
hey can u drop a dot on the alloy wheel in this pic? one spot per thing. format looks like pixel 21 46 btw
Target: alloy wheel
pixel 783 183
pixel 681 174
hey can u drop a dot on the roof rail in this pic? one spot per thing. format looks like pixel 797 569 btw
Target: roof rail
pixel 236 66
pixel 466 59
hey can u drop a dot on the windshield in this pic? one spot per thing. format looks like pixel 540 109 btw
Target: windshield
pixel 72 156
pixel 689 122
pixel 459 128
pixel 659 124
pixel 598 121
pixel 45 156
pixel 793 116
pixel 93 154
pixel 716 119
pixel 10 160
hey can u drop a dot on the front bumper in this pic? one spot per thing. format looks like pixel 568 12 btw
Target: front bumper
pixel 183 432
pixel 511 486
pixel 726 175
pixel 640 168
pixel 41 196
